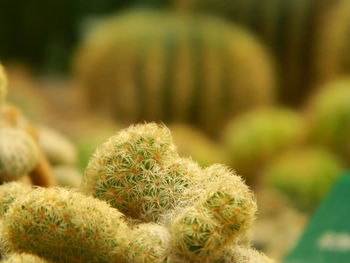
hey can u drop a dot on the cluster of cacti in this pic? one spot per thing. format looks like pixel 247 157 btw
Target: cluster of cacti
pixel 304 175
pixel 329 118
pixel 192 142
pixel 163 209
pixel 256 137
pixel 148 65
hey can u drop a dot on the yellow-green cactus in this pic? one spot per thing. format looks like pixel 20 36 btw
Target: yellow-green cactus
pixel 304 175
pixel 238 254
pixel 194 143
pixel 225 210
pixel 329 118
pixel 149 243
pixel 3 85
pixel 19 154
pixel 9 192
pixel 3 248
pixel 58 149
pixel 23 258
pixel 67 176
pixel 139 172
pixel 65 226
pixel 255 137
pixel 162 66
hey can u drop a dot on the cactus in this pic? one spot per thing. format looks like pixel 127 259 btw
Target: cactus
pixel 65 226
pixel 192 142
pixel 23 258
pixel 3 85
pixel 3 248
pixel 58 149
pixel 225 211
pixel 9 192
pixel 156 66
pixel 19 154
pixel 255 137
pixel 242 255
pixel 138 172
pixel 329 118
pixel 67 176
pixel 303 175
pixel 149 243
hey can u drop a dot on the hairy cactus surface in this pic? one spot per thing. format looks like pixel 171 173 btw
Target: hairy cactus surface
pixel 258 136
pixel 224 211
pixel 19 154
pixel 139 172
pixel 161 66
pixel 304 175
pixel 23 258
pixel 329 118
pixel 149 243
pixel 65 226
pixel 9 192
pixel 235 254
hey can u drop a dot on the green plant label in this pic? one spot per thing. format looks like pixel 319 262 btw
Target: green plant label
pixel 327 236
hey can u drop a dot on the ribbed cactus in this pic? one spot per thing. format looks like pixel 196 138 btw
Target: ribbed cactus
pixel 65 226
pixel 19 154
pixel 58 149
pixel 23 258
pixel 226 210
pixel 304 175
pixel 3 85
pixel 149 243
pixel 192 142
pixel 9 192
pixel 155 66
pixel 329 118
pixel 67 176
pixel 139 172
pixel 256 137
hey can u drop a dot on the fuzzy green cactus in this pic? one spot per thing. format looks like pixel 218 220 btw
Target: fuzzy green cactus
pixel 3 85
pixel 58 149
pixel 224 211
pixel 329 118
pixel 255 137
pixel 67 176
pixel 161 66
pixel 65 226
pixel 23 258
pixel 303 175
pixel 9 192
pixel 19 154
pixel 194 143
pixel 139 172
pixel 149 243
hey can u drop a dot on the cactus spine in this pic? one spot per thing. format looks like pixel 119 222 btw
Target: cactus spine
pixel 65 226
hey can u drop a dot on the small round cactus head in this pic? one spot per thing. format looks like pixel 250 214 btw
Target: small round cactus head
pixel 149 243
pixel 3 85
pixel 65 226
pixel 303 175
pixel 23 258
pixel 9 192
pixel 224 211
pixel 329 115
pixel 242 255
pixel 67 176
pixel 19 154
pixel 58 149
pixel 257 136
pixel 139 172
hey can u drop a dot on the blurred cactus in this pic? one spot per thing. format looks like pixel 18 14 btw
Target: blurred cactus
pixel 9 192
pixel 64 226
pixel 3 85
pixel 193 143
pixel 329 118
pixel 224 211
pixel 19 154
pixel 139 172
pixel 23 258
pixel 256 137
pixel 155 66
pixel 67 176
pixel 304 175
pixel 149 243
pixel 58 149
